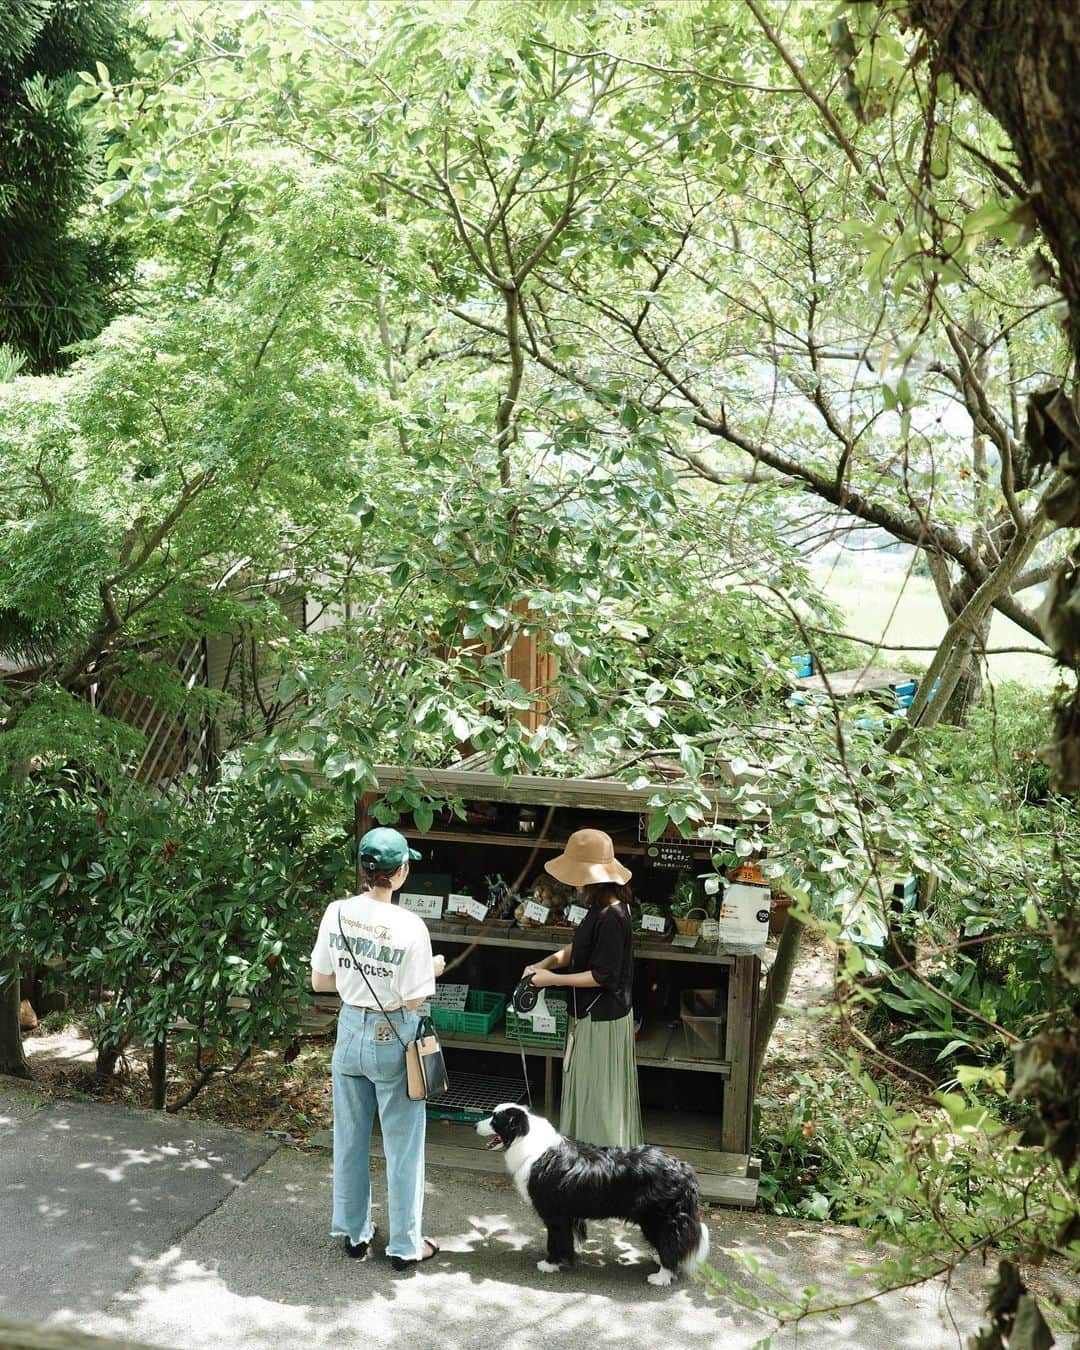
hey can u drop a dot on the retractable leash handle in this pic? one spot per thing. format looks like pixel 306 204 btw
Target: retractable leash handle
pixel 523 1000
pixel 525 995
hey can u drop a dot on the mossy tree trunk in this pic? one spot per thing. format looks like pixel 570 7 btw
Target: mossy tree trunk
pixel 12 1058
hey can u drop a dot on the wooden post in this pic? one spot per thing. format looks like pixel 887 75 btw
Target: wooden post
pixel 738 1118
pixel 534 671
pixel 361 824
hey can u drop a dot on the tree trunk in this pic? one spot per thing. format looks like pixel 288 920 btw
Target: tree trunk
pixel 108 1056
pixel 776 986
pixel 157 1075
pixel 969 686
pixel 1021 60
pixel 12 1059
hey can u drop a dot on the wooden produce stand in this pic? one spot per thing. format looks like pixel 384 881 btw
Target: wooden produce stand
pixel 698 1104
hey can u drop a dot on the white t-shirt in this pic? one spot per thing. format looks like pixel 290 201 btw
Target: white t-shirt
pixel 392 946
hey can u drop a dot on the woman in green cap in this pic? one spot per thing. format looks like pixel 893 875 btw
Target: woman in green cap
pixel 600 1103
pixel 372 953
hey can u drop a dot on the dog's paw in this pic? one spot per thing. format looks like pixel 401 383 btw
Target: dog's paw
pixel 662 1277
pixel 548 1267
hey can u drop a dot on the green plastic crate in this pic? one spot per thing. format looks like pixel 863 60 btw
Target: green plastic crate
pixel 478 1018
pixel 521 1028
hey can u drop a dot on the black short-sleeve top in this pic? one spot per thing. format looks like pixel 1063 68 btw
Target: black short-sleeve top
pixel 604 944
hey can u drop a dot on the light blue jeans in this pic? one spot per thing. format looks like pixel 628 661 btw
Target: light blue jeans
pixel 369 1075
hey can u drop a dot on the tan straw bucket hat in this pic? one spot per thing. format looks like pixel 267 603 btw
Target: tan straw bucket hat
pixel 589 857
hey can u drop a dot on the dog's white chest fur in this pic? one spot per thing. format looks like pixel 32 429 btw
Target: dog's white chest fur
pixel 523 1153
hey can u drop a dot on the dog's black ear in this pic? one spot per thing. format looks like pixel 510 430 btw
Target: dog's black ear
pixel 515 1120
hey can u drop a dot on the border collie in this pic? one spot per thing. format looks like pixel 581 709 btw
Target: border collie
pixel 568 1182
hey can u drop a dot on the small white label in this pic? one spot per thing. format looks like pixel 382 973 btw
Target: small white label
pixel 576 914
pixel 538 913
pixel 684 940
pixel 653 923
pixel 465 904
pixel 545 1024
pixel 427 906
pixel 710 930
pixel 450 996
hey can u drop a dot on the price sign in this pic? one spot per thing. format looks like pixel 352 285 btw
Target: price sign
pixel 544 1023
pixel 538 913
pixel 450 996
pixel 427 906
pixel 744 914
pixel 653 923
pixel 465 904
pixel 576 914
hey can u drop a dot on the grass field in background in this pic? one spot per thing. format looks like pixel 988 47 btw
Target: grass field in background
pixel 888 605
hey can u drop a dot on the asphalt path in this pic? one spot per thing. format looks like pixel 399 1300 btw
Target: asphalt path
pixel 180 1234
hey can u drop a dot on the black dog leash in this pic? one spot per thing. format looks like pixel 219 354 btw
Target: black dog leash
pixel 517 1029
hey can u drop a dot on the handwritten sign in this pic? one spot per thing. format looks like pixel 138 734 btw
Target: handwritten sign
pixel 538 913
pixel 427 906
pixel 576 914
pixel 465 904
pixel 544 1023
pixel 668 856
pixel 450 996
pixel 653 923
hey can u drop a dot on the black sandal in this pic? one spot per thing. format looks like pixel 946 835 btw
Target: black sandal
pixel 359 1250
pixel 404 1263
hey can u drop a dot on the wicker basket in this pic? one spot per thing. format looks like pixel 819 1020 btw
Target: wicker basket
pixel 690 927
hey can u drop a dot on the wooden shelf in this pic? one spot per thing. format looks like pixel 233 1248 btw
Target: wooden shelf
pixel 520 938
pixel 658 1047
pixel 530 841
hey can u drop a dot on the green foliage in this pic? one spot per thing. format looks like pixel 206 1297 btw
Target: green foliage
pixel 55 728
pixel 169 909
pixel 813 1148
pixel 61 279
pixel 1001 746
pixel 483 320
pixel 194 461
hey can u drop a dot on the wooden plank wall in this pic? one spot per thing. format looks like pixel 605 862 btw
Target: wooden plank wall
pixel 738 1116
pixel 534 670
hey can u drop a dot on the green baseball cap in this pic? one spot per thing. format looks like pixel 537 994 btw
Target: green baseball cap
pixel 384 850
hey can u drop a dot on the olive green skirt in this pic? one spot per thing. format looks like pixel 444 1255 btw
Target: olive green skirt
pixel 600 1102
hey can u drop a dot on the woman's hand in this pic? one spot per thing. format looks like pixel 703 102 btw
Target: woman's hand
pixel 439 964
pixel 530 970
pixel 543 979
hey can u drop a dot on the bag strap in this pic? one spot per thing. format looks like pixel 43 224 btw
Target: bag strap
pixel 588 1010
pixel 357 966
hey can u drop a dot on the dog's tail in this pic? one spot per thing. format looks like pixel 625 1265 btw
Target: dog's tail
pixel 698 1245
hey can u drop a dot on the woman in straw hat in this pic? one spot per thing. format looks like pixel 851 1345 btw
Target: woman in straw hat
pixel 600 1087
